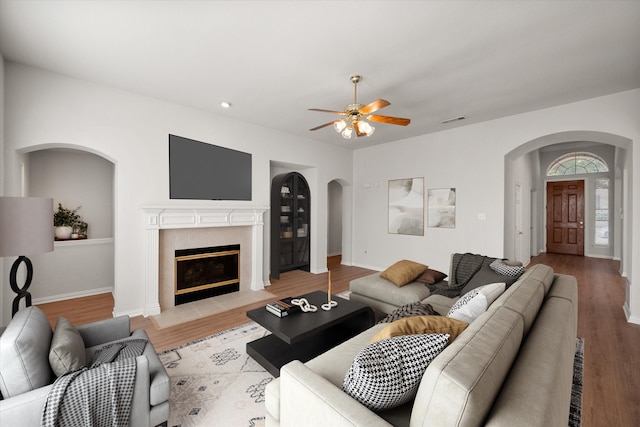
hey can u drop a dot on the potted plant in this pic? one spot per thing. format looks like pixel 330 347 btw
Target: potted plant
pixel 64 220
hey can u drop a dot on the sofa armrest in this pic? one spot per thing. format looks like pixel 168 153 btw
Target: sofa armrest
pixel 310 400
pixel 140 403
pixel 24 409
pixel 105 331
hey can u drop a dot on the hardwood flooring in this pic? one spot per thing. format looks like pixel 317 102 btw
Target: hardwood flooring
pixel 611 391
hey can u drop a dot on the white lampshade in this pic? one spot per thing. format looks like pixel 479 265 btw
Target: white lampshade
pixel 26 225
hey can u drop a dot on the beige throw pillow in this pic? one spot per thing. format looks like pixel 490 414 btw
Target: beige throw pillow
pixel 67 348
pixel 403 272
pixel 422 325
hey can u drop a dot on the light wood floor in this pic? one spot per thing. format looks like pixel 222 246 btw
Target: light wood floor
pixel 611 395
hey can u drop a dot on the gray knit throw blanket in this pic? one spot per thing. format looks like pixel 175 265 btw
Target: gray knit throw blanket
pixel 97 396
pixel 464 267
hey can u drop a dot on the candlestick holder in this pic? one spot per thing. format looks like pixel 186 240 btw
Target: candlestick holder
pixel 328 306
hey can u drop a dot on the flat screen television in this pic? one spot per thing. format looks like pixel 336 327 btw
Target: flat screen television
pixel 201 171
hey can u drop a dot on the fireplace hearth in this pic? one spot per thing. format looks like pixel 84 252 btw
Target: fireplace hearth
pixel 206 272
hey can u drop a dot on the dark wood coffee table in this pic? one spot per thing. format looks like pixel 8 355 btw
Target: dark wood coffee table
pixel 303 336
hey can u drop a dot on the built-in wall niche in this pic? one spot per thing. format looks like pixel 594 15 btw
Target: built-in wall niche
pixel 75 178
pixel 81 267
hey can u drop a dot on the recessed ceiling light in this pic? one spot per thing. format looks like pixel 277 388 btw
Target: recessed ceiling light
pixel 225 104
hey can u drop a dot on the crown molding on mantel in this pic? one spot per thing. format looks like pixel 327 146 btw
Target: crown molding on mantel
pixel 157 218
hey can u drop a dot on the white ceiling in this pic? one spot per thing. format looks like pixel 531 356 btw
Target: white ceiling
pixel 273 60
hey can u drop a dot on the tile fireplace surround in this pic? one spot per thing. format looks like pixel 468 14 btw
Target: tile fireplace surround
pixel 157 218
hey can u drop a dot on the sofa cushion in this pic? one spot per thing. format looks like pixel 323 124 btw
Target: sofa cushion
pixel 440 303
pixel 375 287
pixel 460 385
pixel 474 303
pixel 67 348
pixel 334 364
pixel 387 373
pixel 430 277
pixel 403 272
pixel 24 346
pixel 525 298
pixel 422 325
pixel 540 273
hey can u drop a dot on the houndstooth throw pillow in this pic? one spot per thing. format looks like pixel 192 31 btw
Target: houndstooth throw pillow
pixel 387 373
pixel 506 270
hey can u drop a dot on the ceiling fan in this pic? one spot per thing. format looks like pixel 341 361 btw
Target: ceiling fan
pixel 355 113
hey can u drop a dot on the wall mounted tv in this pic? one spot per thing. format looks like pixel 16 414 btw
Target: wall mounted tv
pixel 201 171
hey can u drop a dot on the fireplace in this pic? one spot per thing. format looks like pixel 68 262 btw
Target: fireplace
pixel 170 228
pixel 206 272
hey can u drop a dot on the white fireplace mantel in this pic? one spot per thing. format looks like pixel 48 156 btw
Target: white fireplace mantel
pixel 157 218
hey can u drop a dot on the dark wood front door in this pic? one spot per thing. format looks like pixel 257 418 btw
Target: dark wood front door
pixel 565 217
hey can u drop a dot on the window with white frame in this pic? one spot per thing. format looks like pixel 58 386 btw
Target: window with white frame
pixel 577 163
pixel 602 212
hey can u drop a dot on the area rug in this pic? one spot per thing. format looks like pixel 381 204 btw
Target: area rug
pixel 575 411
pixel 215 382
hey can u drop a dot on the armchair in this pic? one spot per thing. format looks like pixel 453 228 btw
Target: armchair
pixel 26 375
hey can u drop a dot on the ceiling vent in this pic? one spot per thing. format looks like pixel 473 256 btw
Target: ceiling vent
pixel 454 119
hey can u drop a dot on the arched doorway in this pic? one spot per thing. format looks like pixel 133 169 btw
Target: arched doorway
pixel 527 165
pixel 339 213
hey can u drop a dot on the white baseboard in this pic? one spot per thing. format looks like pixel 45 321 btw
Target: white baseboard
pixel 627 313
pixel 72 295
pixel 368 267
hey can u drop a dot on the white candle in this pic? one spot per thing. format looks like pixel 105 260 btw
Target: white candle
pixel 329 292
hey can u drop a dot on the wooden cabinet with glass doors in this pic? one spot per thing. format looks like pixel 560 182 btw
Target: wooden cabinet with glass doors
pixel 290 229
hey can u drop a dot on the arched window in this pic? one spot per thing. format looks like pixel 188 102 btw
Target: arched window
pixel 576 164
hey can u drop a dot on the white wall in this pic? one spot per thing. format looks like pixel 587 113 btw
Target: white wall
pixel 472 159
pixel 48 110
pixel 2 172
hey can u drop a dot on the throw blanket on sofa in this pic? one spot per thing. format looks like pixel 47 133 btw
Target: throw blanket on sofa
pixel 463 269
pixel 96 396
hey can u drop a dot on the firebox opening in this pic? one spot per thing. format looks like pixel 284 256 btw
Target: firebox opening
pixel 205 272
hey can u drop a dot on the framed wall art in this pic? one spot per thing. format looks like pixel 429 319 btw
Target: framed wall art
pixel 441 208
pixel 406 206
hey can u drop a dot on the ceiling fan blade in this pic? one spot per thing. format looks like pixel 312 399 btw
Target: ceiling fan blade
pixel 324 125
pixel 374 106
pixel 389 120
pixel 342 113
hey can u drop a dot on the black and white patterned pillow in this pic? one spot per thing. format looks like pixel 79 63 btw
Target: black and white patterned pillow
pixel 409 310
pixel 387 373
pixel 506 270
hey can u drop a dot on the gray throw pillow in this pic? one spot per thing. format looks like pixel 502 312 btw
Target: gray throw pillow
pixel 24 346
pixel 387 373
pixel 485 276
pixel 67 348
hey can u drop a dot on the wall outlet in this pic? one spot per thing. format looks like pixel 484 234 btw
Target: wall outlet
pixel 482 216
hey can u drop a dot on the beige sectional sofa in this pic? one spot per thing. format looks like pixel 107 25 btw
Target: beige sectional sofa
pixel 513 365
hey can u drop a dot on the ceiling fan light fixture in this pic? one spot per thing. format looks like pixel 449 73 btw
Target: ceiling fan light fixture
pixel 365 128
pixel 339 125
pixel 355 113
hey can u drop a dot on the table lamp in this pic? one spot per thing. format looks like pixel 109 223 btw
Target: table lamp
pixel 26 228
